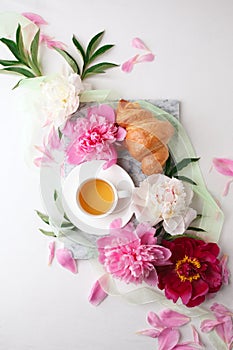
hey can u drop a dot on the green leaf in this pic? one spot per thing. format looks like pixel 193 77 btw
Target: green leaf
pixel 197 229
pixel 168 165
pixel 47 233
pixel 19 70
pixel 9 63
pixel 60 134
pixel 20 45
pixel 185 179
pixel 182 164
pixel 43 217
pixel 16 85
pixel 34 48
pixel 98 69
pixel 94 42
pixel 67 225
pixel 55 195
pixel 12 47
pixel 69 59
pixel 99 52
pixel 79 48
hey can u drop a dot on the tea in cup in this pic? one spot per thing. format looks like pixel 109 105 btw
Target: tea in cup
pixel 98 197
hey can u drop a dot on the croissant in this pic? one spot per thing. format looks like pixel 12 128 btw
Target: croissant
pixel 146 138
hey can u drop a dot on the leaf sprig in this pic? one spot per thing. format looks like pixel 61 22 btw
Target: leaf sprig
pixel 26 61
pixel 172 170
pixel 88 56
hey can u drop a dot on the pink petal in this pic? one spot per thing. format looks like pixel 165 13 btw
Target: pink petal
pixel 38 161
pixel 168 338
pixel 153 333
pixel 185 346
pixel 115 224
pixel 225 271
pixel 127 66
pixel 104 111
pixel 227 188
pixel 154 320
pixel 208 325
pixel 112 157
pixel 51 252
pixel 152 279
pixel 97 294
pixel 223 166
pixel 220 311
pixel 148 57
pixel 139 44
pixel 65 259
pixel 51 43
pixel 196 337
pixel 172 318
pixel 37 19
pixel 225 330
pixel 121 134
pixel 53 139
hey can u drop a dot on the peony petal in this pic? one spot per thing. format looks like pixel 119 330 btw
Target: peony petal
pixel 51 252
pixel 220 311
pixel 104 111
pixel 53 139
pixel 65 259
pixel 148 57
pixel 223 166
pixel 127 66
pixel 33 17
pixel 196 337
pixel 115 224
pixel 51 43
pixel 208 325
pixel 154 320
pixel 121 134
pixel 139 44
pixel 225 271
pixel 153 333
pixel 97 294
pixel 152 279
pixel 168 338
pixel 173 319
pixel 227 188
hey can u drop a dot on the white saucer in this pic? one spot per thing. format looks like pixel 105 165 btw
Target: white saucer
pixel 115 174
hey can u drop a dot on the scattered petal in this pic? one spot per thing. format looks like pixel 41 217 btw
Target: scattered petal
pixel 51 252
pixel 154 320
pixel 168 339
pixel 227 188
pixel 196 337
pixel 127 66
pixel 153 333
pixel 148 57
pixel 33 17
pixel 51 43
pixel 225 270
pixel 97 294
pixel 172 318
pixel 224 166
pixel 65 259
pixel 139 44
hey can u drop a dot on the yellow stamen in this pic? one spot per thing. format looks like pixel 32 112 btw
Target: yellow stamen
pixel 195 264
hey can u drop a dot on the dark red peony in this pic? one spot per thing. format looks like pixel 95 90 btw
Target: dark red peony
pixel 195 270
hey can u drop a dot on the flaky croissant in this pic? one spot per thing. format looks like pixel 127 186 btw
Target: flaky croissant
pixel 146 138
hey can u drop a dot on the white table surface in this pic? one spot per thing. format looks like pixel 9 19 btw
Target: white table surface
pixel 45 307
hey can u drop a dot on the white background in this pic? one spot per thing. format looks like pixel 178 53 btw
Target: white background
pixel 45 307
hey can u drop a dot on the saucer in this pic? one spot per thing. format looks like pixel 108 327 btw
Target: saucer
pixel 94 169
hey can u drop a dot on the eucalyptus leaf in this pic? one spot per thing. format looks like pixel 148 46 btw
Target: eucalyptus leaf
pixel 12 47
pixel 99 52
pixel 94 42
pixel 69 59
pixel 55 195
pixel 182 164
pixel 79 48
pixel 43 217
pixel 19 70
pixel 47 233
pixel 9 63
pixel 98 69
pixel 185 179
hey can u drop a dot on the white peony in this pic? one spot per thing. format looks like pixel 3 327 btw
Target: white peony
pixel 60 97
pixel 160 198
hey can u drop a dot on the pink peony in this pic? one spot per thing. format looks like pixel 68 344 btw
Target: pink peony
pixel 131 254
pixel 93 137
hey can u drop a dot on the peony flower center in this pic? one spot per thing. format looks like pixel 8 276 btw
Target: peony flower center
pixel 187 269
pixel 97 135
